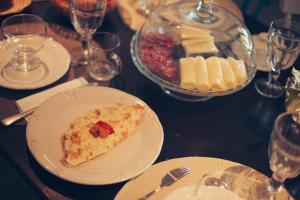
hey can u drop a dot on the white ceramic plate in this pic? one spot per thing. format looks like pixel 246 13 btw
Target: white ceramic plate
pixel 126 160
pixel 205 192
pixel 199 166
pixel 53 54
pixel 152 177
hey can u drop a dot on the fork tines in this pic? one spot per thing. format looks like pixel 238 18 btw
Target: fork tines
pixel 178 173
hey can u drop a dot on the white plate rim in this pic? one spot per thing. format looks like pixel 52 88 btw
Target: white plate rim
pixel 32 145
pixel 63 69
pixel 199 165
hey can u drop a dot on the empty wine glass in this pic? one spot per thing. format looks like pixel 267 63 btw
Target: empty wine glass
pixel 86 16
pixel 284 151
pixel 283 46
pixel 25 35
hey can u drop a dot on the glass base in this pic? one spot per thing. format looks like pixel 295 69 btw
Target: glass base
pixel 78 57
pixel 269 90
pixel 32 72
pixel 262 191
pixel 184 97
pixel 102 70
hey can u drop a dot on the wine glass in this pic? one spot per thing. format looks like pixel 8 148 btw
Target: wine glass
pixel 25 35
pixel 283 46
pixel 284 151
pixel 86 16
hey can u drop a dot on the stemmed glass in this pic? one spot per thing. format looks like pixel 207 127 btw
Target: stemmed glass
pixel 284 151
pixel 86 16
pixel 283 46
pixel 25 35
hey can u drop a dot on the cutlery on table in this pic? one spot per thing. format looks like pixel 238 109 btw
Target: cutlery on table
pixel 170 178
pixel 11 119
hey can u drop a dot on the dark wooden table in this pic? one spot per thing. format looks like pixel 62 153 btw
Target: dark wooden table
pixel 234 127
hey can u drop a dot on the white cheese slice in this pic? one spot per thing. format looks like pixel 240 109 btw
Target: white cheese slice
pixel 192 29
pixel 239 69
pixel 215 74
pixel 202 79
pixel 228 74
pixel 187 73
pixel 189 35
pixel 191 41
pixel 187 32
pixel 199 48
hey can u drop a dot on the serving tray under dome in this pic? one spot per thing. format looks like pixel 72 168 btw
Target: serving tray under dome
pixel 164 28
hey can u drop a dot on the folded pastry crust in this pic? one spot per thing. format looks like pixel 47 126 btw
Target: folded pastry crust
pixel 98 131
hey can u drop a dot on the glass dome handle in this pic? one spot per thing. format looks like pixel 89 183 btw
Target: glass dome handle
pixel 203 12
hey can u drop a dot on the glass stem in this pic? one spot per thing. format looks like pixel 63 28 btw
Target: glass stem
pixel 275 183
pixel 23 61
pixel 273 76
pixel 85 45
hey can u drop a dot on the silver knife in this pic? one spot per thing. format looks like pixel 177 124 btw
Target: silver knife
pixel 11 119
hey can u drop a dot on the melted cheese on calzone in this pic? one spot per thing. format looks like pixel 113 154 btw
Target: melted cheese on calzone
pixel 81 146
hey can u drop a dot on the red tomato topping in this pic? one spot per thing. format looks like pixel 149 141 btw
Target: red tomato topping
pixel 101 129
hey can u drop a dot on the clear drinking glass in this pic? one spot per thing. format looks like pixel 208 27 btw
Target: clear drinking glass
pixel 86 16
pixel 234 184
pixel 284 154
pixel 283 46
pixel 105 62
pixel 25 35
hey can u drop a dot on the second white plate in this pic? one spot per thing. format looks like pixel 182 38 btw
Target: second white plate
pixel 181 190
pixel 53 54
pixel 126 160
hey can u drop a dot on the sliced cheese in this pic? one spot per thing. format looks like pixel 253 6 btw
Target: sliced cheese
pixel 187 73
pixel 215 74
pixel 228 74
pixel 239 69
pixel 191 41
pixel 191 29
pixel 202 79
pixel 199 48
pixel 188 35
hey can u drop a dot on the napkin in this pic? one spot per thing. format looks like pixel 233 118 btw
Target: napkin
pixel 35 100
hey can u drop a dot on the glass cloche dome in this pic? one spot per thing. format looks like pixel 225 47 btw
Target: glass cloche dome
pixel 195 50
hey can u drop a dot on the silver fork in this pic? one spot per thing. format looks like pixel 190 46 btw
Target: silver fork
pixel 170 178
